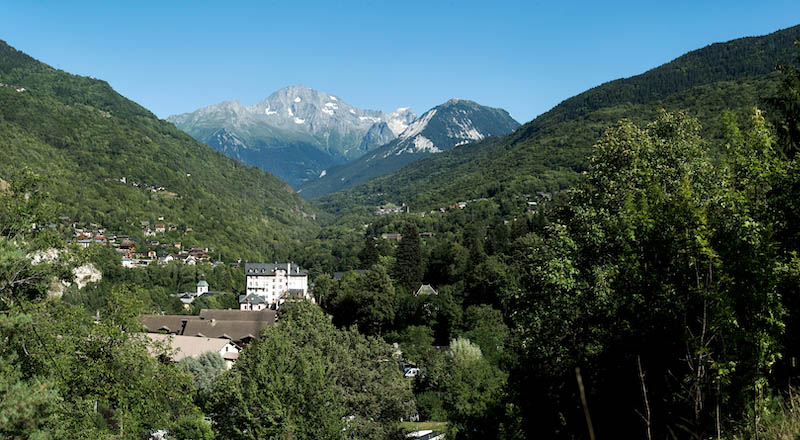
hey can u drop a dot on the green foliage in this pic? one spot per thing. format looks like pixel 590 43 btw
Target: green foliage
pixel 205 370
pixel 28 407
pixel 306 379
pixel 367 301
pixel 658 259
pixel 409 267
pixel 415 341
pixel 484 326
pixel 472 391
pixel 786 103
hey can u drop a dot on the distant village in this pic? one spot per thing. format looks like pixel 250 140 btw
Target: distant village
pixel 531 204
pixel 154 249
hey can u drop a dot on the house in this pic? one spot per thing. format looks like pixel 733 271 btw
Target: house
pixel 275 283
pixel 193 346
pixel 392 237
pixel 161 228
pixel 252 302
pixel 426 289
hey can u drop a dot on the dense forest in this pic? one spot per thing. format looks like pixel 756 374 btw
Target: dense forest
pixel 654 296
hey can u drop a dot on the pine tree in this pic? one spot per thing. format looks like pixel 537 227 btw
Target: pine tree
pixel 409 268
pixel 369 255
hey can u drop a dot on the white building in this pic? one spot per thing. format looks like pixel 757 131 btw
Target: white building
pixel 274 283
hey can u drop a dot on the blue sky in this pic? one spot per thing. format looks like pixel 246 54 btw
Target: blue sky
pixel 524 56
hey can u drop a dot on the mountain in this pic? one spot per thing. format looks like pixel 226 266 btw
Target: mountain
pixel 295 133
pixel 107 160
pixel 549 153
pixel 456 122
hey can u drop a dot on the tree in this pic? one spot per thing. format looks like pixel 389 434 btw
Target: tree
pixel 307 379
pixel 409 267
pixel 205 370
pixel 369 254
pixel 473 391
pixel 787 106
pixel 660 260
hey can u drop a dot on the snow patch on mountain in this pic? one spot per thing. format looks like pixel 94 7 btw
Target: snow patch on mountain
pixel 299 121
pixel 467 130
pixel 417 126
pixel 399 120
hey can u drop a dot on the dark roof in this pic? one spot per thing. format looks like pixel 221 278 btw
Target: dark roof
pixel 267 316
pixel 233 330
pixel 252 299
pixel 269 269
pixel 168 323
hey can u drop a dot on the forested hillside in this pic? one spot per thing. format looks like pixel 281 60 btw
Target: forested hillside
pixel 549 153
pixel 84 138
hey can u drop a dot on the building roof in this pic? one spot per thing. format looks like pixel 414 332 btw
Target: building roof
pixel 426 289
pixel 202 283
pixel 252 299
pixel 255 269
pixel 193 346
pixel 267 316
pixel 233 330
pixel 169 323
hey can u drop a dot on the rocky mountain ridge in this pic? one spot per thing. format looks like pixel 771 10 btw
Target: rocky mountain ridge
pixel 454 123
pixel 294 133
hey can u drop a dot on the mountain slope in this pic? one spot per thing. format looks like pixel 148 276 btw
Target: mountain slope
pixel 83 136
pixel 456 122
pixel 295 133
pixel 549 153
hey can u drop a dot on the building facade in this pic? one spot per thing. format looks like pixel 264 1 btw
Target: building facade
pixel 274 283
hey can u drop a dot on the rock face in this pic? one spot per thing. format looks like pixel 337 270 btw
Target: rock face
pixel 377 135
pixel 295 133
pixel 454 123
